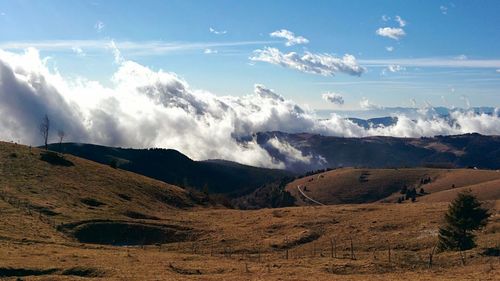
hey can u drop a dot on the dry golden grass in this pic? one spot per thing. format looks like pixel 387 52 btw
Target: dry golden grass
pixel 350 185
pixel 226 244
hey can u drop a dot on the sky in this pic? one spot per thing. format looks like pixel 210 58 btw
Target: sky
pixel 204 77
pixel 410 53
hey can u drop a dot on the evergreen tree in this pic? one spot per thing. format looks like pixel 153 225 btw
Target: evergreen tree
pixel 463 217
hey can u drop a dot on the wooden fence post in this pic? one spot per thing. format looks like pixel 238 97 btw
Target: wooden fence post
pixel 389 250
pixel 431 255
pixel 352 250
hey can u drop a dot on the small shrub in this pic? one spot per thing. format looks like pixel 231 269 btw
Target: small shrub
pixel 113 163
pixel 492 252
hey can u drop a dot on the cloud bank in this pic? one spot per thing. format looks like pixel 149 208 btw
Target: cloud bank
pixel 146 108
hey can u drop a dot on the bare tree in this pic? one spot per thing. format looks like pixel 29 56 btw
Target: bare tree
pixel 44 130
pixel 61 136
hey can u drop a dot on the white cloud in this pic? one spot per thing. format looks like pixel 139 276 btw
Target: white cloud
pixel 209 51
pixel 290 37
pixel 461 57
pixel 386 18
pixel 334 98
pixel 391 32
pixel 389 48
pixel 291 153
pixel 78 51
pixel 366 104
pixel 99 26
pixel 444 9
pixel 146 108
pixel 395 68
pixel 217 32
pixel 263 92
pixel 116 52
pixel 400 21
pixel 322 64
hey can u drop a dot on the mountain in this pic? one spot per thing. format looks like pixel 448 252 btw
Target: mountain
pixel 469 150
pixel 410 112
pixel 171 166
pixel 375 122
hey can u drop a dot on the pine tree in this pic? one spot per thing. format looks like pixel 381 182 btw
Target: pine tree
pixel 463 217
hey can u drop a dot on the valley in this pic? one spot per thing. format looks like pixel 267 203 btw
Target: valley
pixel 68 218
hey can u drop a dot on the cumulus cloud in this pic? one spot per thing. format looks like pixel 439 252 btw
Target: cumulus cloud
pixel 391 32
pixel 386 18
pixel 322 64
pixel 389 48
pixel 333 98
pixel 217 32
pixel 146 108
pixel 99 26
pixel 291 38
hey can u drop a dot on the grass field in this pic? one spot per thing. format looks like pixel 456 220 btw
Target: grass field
pixel 350 185
pixel 46 211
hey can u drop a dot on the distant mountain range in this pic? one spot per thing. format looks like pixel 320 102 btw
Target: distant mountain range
pixel 171 166
pixel 469 150
pixel 410 112
pixel 317 152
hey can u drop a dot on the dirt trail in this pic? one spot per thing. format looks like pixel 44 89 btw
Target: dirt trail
pixel 309 198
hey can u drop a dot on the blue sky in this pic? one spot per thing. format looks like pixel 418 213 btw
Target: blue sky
pixel 449 52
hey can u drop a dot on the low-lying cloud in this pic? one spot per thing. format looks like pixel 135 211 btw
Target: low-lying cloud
pixel 146 108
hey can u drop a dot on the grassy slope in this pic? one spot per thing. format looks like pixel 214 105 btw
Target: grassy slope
pixel 351 185
pixel 67 193
pixel 28 242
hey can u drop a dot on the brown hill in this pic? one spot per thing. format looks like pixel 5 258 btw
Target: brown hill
pixel 83 198
pixel 350 185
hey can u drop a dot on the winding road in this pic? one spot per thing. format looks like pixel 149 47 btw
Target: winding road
pixel 309 198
